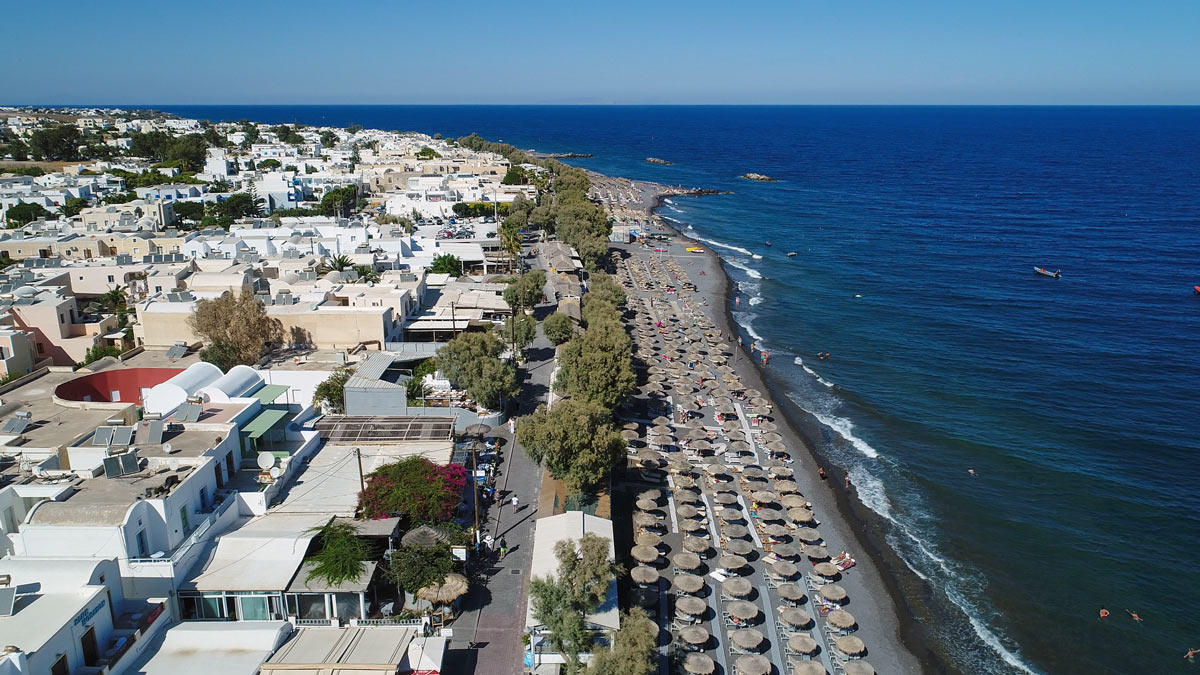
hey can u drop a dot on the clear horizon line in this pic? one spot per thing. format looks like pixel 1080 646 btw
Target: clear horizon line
pixel 611 105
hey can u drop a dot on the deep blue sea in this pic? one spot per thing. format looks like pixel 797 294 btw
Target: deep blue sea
pixel 1075 400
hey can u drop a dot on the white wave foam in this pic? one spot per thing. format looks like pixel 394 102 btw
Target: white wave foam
pixel 668 201
pixel 731 247
pixel 873 495
pixel 750 271
pixel 756 256
pixel 844 427
pixel 746 320
pixel 756 300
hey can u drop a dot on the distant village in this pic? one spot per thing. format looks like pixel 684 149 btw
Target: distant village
pixel 226 442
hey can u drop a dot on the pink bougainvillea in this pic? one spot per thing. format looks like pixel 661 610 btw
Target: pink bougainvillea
pixel 415 488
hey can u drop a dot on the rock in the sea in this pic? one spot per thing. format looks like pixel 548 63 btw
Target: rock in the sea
pixel 758 177
pixel 655 160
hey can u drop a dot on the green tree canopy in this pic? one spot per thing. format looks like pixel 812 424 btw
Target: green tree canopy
pixel 340 201
pixel 329 139
pixel 24 213
pixel 633 649
pixel 603 287
pixel 73 206
pixel 471 362
pixel 240 322
pixel 525 291
pixel 597 365
pixel 342 554
pixel 575 440
pixel 268 164
pixel 59 142
pixel 561 603
pixel 520 330
pixel 446 264
pixel 558 328
pixel 331 393
pixel 415 567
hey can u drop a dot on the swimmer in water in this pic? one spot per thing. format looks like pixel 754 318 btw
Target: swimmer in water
pixel 972 472
pixel 1134 616
pixel 1103 613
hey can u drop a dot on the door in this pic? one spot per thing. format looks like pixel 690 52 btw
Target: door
pixel 60 666
pixel 88 644
pixel 253 608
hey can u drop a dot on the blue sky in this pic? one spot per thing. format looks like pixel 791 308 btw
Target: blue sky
pixel 616 51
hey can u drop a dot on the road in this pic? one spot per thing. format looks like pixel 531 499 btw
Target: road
pixel 493 615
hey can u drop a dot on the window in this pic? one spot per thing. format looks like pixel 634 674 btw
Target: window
pixel 41 348
pixel 110 278
pixel 60 666
pixel 183 519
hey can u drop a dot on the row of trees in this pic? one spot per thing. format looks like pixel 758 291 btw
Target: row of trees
pixel 480 209
pixel 471 361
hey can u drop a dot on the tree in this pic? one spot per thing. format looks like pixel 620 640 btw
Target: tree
pixel 24 213
pixel 575 440
pixel 336 264
pixel 98 352
pixel 471 362
pixel 414 488
pixel 268 164
pixel 597 365
pixel 562 602
pixel 427 153
pixel 415 567
pixel 520 330
pixel 240 323
pixel 446 264
pixel 354 128
pixel 558 328
pixel 331 393
pixel 287 134
pixel 59 142
pixel 339 201
pixel 73 206
pixel 113 300
pixel 366 273
pixel 514 176
pixel 602 287
pixel 632 650
pixel 329 139
pixel 189 150
pixel 526 290
pixel 512 237
pixel 221 354
pixel 193 211
pixel 342 555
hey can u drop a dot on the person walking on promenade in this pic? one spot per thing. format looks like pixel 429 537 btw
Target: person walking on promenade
pixel 515 504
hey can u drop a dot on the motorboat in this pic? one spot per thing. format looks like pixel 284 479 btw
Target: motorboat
pixel 1047 273
pixel 791 254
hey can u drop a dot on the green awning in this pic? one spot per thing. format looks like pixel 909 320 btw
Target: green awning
pixel 265 421
pixel 269 392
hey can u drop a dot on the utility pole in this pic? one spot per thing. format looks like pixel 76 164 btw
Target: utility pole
pixel 362 483
pixel 453 323
pixel 475 488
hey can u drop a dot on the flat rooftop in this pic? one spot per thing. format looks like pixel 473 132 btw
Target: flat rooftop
pixel 157 358
pixel 104 501
pixel 51 425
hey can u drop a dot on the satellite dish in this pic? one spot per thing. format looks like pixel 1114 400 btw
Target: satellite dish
pixel 265 460
pixel 276 472
pixel 173 464
pixel 167 449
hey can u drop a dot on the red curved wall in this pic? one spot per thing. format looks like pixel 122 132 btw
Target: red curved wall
pixel 128 381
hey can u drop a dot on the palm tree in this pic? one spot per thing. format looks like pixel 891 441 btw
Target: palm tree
pixel 366 273
pixel 114 300
pixel 336 264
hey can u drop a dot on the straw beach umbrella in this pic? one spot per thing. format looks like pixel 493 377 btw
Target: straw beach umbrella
pixel 725 498
pixel 685 482
pixel 645 505
pixel 729 561
pixel 644 575
pixel 452 587
pixel 808 534
pixel 686 560
pixel 753 664
pixel 787 487
pixel 841 619
pixel 816 552
pixel 730 515
pixel 784 570
pixel 691 526
pixel 660 421
pixel 769 515
pixel 647 539
pixel 807 667
pixel 691 605
pixel 652 495
pixel 689 583
pixel 850 645
pixel 859 668
pixel 833 593
pixel 736 531
pixel 803 644
pixel 747 638
pixel 644 554
pixel 686 496
pixel 699 664
pixel 794 616
pixel 686 511
pixel 739 547
pixel 827 570
pixel 785 551
pixel 694 635
pixel 736 587
pixel 743 610
pixel 630 435
pixel 780 471
pixel 643 519
pixel 696 545
pixel 762 496
pixel 791 592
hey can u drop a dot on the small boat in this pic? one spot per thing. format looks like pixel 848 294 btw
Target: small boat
pixel 766 243
pixel 1047 273
pixel 1196 290
pixel 791 254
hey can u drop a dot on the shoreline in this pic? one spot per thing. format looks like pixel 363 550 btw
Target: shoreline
pixel 904 590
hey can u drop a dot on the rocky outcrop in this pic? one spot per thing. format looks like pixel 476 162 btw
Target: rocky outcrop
pixel 758 177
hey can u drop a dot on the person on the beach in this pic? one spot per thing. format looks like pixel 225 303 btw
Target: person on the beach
pixel 847 481
pixel 1104 613
pixel 1134 616
pixel 821 472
